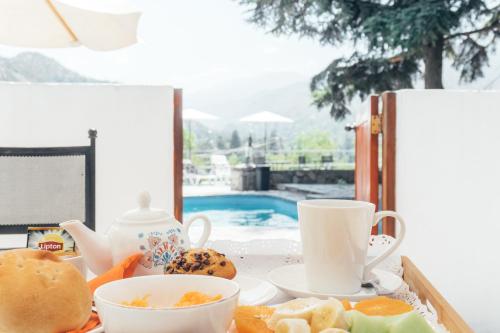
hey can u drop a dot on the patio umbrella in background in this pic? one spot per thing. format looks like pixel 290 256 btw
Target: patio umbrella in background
pixel 266 117
pixel 97 24
pixel 193 114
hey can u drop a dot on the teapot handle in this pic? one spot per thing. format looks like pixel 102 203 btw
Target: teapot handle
pixel 207 229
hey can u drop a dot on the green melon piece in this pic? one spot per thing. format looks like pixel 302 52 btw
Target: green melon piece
pixel 410 322
pixel 361 323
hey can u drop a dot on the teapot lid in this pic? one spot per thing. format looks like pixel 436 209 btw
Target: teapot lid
pixel 145 212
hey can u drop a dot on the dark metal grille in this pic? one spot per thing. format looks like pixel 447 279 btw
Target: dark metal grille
pixel 46 186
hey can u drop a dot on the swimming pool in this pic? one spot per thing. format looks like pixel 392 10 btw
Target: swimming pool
pixel 244 210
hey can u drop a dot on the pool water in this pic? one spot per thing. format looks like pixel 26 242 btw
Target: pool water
pixel 251 211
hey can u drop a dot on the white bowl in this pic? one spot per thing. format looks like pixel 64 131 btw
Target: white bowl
pixel 165 291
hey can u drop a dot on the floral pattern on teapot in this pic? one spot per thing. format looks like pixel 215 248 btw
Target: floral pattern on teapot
pixel 161 247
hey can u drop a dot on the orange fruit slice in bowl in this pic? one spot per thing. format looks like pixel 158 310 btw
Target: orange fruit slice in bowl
pixel 347 304
pixel 251 319
pixel 382 306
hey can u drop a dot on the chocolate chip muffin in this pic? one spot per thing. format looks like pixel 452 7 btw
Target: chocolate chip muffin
pixel 202 262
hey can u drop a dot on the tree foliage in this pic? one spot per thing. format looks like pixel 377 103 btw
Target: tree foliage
pixel 220 142
pixel 393 41
pixel 313 144
pixel 189 140
pixel 235 140
pixel 315 140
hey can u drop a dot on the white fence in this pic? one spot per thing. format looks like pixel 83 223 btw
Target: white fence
pixel 134 144
pixel 448 189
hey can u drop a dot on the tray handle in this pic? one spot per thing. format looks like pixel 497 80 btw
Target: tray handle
pixel 428 294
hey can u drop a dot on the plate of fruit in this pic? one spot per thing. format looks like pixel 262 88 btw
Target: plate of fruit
pixel 313 315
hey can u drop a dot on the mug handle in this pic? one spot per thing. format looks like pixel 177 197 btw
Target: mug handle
pixel 402 231
pixel 207 228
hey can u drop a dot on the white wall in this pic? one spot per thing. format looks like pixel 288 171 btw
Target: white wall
pixel 448 189
pixel 134 144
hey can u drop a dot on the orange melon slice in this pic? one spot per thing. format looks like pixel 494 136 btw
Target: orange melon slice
pixel 251 319
pixel 382 306
pixel 347 304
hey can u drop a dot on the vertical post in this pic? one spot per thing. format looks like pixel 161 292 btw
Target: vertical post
pixel 366 158
pixel 374 171
pixel 90 182
pixel 389 159
pixel 178 154
pixel 265 141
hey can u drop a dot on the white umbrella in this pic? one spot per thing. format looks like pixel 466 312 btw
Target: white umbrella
pixel 193 114
pixel 97 24
pixel 266 117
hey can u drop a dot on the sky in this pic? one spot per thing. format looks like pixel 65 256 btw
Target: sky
pixel 195 43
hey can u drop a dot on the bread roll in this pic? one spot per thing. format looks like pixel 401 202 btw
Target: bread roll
pixel 39 293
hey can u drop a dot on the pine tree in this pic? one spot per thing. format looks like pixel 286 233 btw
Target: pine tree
pixel 235 140
pixel 393 40
pixel 220 142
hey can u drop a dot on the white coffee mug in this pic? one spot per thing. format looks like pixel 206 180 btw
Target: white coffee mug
pixel 335 236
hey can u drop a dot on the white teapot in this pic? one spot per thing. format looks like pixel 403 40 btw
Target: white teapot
pixel 153 232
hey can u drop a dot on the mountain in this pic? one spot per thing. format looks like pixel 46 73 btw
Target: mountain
pixel 35 67
pixel 285 93
pixel 240 88
pixel 275 93
pixel 288 94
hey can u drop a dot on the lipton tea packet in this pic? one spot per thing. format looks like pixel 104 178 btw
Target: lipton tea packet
pixel 53 239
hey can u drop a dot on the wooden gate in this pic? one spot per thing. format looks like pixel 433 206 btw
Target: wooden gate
pixel 366 158
pixel 388 121
pixel 375 124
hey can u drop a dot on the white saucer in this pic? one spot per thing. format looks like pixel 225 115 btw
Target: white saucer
pixel 292 280
pixel 255 291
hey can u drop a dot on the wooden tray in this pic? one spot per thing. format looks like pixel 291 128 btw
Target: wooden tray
pixel 429 295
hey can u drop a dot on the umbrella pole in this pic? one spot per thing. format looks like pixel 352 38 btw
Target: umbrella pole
pixel 62 20
pixel 265 140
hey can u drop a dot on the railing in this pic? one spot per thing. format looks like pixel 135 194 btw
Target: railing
pixel 201 160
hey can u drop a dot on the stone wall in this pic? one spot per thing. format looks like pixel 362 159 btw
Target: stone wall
pixel 311 177
pixel 244 179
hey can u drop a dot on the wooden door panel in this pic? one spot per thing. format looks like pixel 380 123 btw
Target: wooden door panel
pixel 389 159
pixel 178 153
pixel 366 156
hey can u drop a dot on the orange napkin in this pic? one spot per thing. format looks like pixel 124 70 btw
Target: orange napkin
pixel 123 270
pixel 90 325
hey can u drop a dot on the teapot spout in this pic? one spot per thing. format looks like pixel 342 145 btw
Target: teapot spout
pixel 95 249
